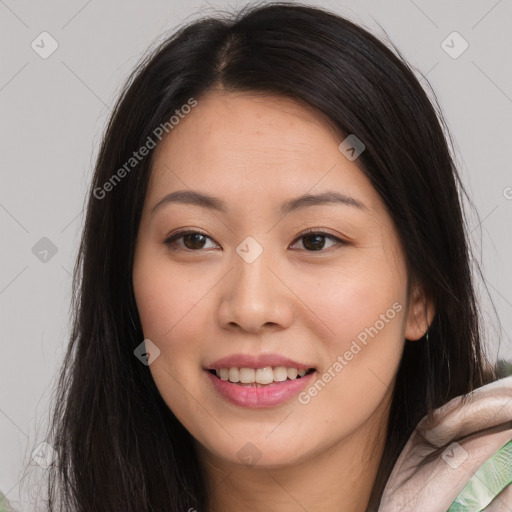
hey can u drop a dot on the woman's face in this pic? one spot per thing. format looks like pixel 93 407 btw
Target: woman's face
pixel 252 286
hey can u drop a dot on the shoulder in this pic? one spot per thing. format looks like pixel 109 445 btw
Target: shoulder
pixel 445 451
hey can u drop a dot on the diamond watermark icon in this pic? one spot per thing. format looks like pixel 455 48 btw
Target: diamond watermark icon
pixel 44 250
pixel 249 454
pixel 147 352
pixel 351 147
pixel 249 250
pixel 44 45
pixel 44 455
pixel 454 45
pixel 454 455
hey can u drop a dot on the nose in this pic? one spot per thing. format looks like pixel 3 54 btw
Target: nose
pixel 255 295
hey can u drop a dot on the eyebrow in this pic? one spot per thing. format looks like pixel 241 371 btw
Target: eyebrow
pixel 205 201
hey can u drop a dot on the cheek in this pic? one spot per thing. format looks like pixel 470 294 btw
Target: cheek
pixel 167 299
pixel 362 318
pixel 169 307
pixel 359 317
pixel 155 302
pixel 347 304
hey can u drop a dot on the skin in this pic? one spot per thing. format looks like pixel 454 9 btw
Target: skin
pixel 204 302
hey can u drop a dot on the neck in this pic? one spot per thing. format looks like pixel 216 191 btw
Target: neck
pixel 340 477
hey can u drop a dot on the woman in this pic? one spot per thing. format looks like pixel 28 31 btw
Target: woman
pixel 223 357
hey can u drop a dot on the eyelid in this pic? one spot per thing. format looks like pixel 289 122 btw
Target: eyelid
pixel 322 232
pixel 171 239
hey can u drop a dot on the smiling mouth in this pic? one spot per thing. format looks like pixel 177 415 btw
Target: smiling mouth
pixel 260 377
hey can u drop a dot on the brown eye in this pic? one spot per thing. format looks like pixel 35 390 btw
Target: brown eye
pixel 314 241
pixel 196 240
pixel 192 240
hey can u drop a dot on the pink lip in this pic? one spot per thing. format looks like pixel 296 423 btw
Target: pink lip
pixel 257 397
pixel 259 361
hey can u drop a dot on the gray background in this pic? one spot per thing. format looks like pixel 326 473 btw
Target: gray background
pixel 53 112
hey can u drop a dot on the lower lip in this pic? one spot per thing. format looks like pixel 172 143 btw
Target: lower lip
pixel 264 396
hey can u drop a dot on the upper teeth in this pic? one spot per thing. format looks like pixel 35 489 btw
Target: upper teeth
pixel 260 375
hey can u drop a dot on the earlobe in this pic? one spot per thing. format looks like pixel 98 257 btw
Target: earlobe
pixel 421 312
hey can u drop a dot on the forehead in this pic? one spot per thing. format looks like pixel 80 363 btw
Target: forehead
pixel 243 145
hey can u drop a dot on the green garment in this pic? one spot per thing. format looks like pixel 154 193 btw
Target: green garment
pixel 4 504
pixel 486 483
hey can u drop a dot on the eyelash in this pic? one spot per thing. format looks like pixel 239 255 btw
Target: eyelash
pixel 171 242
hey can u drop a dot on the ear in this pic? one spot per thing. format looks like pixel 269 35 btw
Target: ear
pixel 420 314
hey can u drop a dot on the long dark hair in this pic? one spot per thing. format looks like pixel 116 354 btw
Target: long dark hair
pixel 119 446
